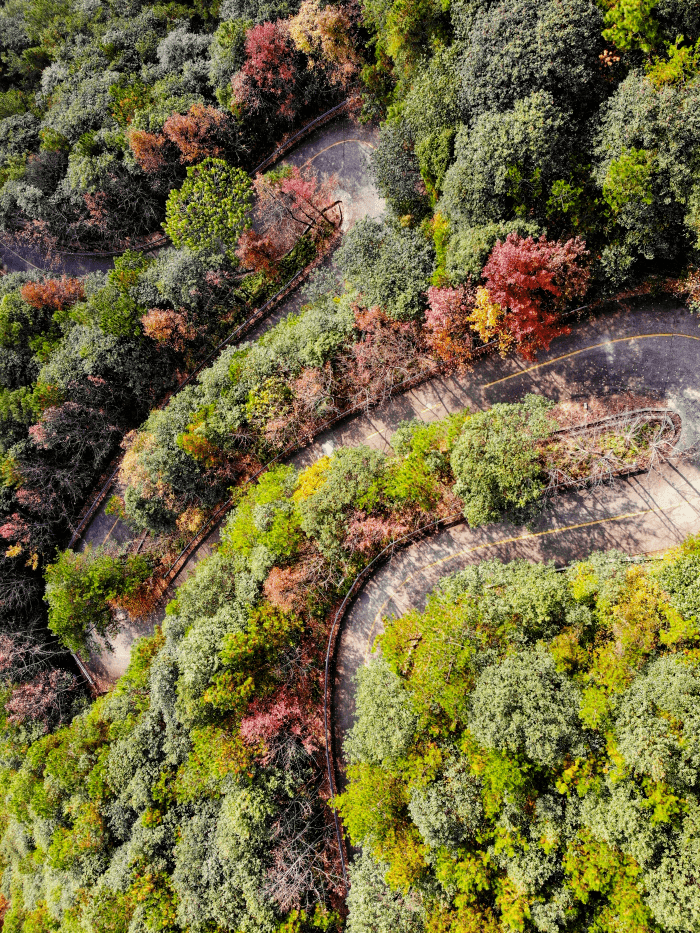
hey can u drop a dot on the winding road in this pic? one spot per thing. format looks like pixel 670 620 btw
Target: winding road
pixel 340 149
pixel 653 350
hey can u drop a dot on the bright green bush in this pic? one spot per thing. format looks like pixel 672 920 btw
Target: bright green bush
pixel 495 460
pixel 79 587
pixel 210 210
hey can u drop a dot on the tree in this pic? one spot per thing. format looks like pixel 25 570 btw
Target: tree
pixel 169 327
pixel 289 202
pixel 396 171
pixel 526 706
pixel 666 693
pixel 385 723
pixel 42 699
pixel 386 354
pixel 152 151
pixel 267 84
pixel 469 248
pixel 505 162
pixel 375 907
pixel 643 168
pixel 388 265
pixel 323 34
pixel 56 294
pixel 348 476
pixel 227 55
pixel 533 281
pixel 495 459
pixel 201 133
pixel 447 327
pixel 210 210
pixel 519 47
pixel 64 448
pixel 80 587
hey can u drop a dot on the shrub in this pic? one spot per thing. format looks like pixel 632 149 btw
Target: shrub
pixel 80 587
pixel 388 265
pixel 495 460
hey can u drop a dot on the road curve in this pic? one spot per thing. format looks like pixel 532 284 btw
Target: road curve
pixel 654 350
pixel 340 149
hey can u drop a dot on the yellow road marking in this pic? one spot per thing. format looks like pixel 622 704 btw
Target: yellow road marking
pixel 596 346
pixel 524 537
pixel 558 359
pixel 111 530
pixel 341 142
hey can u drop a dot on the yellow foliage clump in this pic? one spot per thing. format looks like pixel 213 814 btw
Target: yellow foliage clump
pixel 487 320
pixel 311 479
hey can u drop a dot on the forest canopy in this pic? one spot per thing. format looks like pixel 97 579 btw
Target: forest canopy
pixel 525 752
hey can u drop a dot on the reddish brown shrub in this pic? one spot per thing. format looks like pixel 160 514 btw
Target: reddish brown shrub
pixel 56 294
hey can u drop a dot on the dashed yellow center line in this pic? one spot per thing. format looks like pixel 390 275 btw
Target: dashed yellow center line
pixel 596 346
pixel 512 540
pixel 116 522
pixel 558 359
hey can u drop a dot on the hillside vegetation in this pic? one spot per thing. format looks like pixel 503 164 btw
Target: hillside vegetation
pixel 535 156
pixel 526 750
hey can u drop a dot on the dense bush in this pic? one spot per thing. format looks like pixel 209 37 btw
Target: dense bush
pixel 527 772
pixel 388 265
pixel 80 588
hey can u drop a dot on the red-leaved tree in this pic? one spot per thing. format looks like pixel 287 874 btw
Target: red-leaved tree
pixel 198 134
pixel 152 151
pixel 268 79
pixel 534 280
pixel 168 327
pixel 446 325
pixel 257 252
pixel 288 203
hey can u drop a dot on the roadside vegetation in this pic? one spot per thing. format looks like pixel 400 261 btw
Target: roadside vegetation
pixel 535 156
pixel 525 753
pixel 194 794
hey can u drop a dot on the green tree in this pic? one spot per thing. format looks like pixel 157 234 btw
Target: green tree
pixel 80 587
pixel 495 459
pixel 389 265
pixel 629 179
pixel 385 722
pixel 519 47
pixel 210 211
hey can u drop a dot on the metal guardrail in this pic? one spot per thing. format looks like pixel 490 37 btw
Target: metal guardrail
pixel 355 586
pixel 289 143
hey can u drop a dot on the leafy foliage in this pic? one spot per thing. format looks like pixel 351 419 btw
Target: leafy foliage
pixel 512 808
pixel 210 210
pixel 495 462
pixel 80 587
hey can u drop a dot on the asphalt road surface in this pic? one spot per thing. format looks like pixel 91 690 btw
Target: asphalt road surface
pixel 652 351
